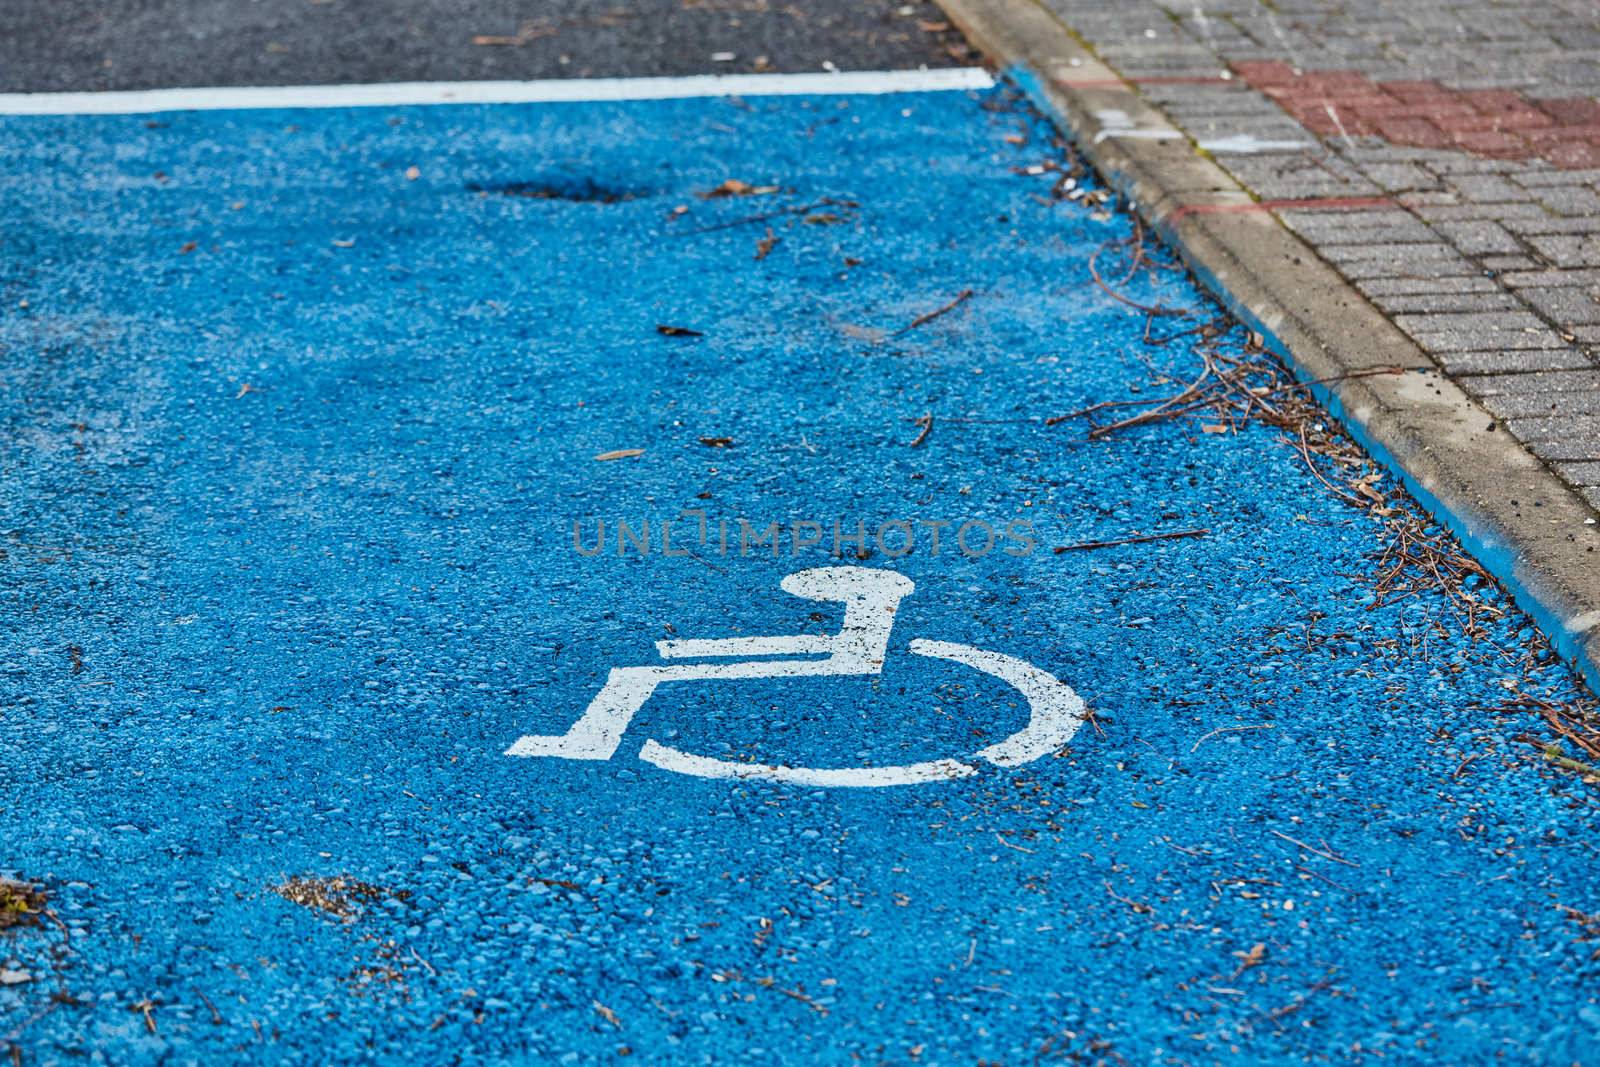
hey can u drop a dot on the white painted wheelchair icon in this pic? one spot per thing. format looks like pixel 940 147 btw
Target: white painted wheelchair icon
pixel 871 598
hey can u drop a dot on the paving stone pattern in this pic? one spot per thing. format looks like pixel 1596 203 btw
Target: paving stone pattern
pixel 1454 148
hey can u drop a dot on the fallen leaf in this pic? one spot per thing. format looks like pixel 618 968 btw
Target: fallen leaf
pixel 10 977
pixel 766 244
pixel 717 442
pixel 350 243
pixel 735 187
pixel 189 246
pixel 1213 427
pixel 621 453
pixel 826 218
pixel 678 331
pixel 607 1014
pixel 527 33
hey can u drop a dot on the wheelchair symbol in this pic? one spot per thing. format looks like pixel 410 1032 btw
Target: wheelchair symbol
pixel 871 598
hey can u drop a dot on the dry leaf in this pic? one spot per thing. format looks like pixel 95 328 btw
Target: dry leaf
pixel 527 33
pixel 717 442
pixel 678 331
pixel 621 453
pixel 766 244
pixel 735 187
pixel 607 1014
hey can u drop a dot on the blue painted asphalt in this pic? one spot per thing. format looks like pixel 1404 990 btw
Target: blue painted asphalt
pixel 296 440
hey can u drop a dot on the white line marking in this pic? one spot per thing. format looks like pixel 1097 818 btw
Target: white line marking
pixel 871 598
pixel 1055 709
pixel 670 759
pixel 571 90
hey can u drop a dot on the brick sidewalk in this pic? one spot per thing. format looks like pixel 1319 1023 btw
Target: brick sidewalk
pixel 1450 157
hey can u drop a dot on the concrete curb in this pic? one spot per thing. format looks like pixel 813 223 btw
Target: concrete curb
pixel 1521 521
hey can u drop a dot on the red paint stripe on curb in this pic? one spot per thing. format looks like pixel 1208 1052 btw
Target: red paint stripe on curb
pixel 1325 203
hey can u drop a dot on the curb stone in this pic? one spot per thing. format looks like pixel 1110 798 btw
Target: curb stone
pixel 1535 533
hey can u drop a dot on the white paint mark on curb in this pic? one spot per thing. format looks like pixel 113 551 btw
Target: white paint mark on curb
pixel 1248 143
pixel 1583 623
pixel 1114 122
pixel 569 90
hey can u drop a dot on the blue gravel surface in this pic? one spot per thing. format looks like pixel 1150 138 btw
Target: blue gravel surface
pixel 299 412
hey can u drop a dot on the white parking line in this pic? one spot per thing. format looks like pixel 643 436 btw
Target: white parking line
pixel 572 90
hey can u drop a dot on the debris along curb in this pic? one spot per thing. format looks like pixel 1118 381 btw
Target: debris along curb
pixel 1522 522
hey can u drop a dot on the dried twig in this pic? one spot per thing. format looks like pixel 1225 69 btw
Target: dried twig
pixel 921 320
pixel 1325 853
pixel 1224 730
pixel 1082 546
pixel 1094 273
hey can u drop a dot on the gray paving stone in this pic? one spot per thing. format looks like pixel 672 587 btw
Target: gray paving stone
pixel 1564 250
pixel 1478 237
pixel 1575 306
pixel 1487 188
pixel 1472 281
pixel 1491 264
pixel 1582 472
pixel 1470 212
pixel 1558 381
pixel 1530 405
pixel 1560 437
pixel 1513 329
pixel 1388 227
pixel 1536 175
pixel 1569 200
pixel 1431 303
pixel 1295 176
pixel 1546 223
pixel 1396 261
pixel 1537 278
pixel 1401 177
pixel 1513 361
pixel 1498 264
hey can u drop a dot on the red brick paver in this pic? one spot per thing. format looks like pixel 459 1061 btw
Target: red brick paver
pixel 1493 123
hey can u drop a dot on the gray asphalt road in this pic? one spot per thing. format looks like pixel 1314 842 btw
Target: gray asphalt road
pixel 56 45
